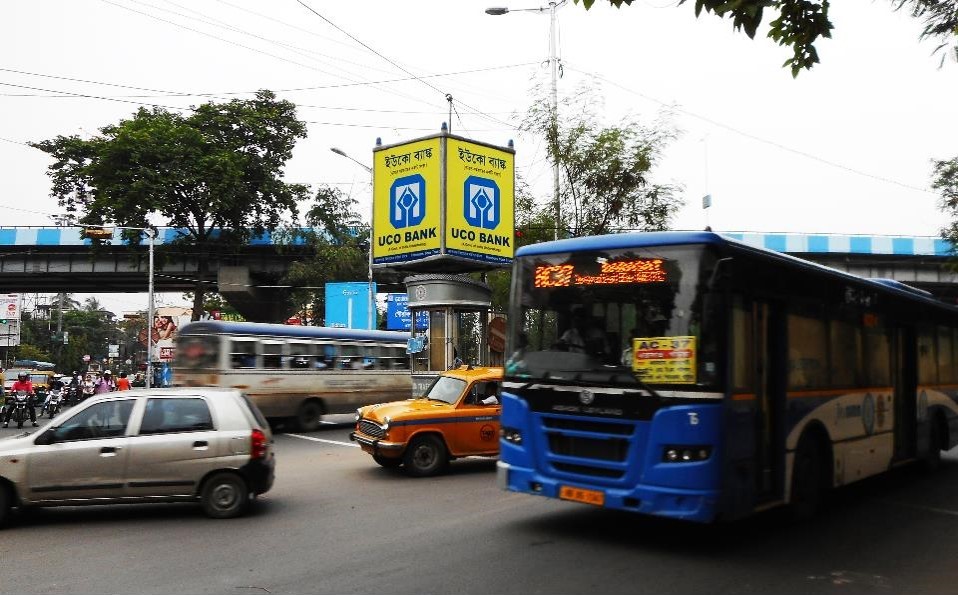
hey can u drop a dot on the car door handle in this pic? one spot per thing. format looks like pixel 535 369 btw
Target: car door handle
pixel 201 444
pixel 109 450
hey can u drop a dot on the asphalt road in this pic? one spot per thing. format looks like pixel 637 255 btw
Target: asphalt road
pixel 337 523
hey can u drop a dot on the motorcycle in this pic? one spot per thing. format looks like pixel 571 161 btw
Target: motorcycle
pixel 19 402
pixel 52 407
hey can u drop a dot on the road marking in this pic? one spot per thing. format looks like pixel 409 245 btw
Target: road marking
pixel 925 508
pixel 336 442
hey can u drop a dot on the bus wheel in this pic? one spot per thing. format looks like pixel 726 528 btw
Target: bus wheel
pixel 808 484
pixel 307 419
pixel 932 460
pixel 387 462
pixel 425 456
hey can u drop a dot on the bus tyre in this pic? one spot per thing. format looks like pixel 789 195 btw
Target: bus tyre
pixel 425 455
pixel 932 459
pixel 225 496
pixel 387 462
pixel 808 479
pixel 307 419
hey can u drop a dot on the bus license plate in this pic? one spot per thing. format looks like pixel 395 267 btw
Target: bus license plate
pixel 594 497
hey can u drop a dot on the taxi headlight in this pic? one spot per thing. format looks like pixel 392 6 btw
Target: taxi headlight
pixel 385 425
pixel 359 415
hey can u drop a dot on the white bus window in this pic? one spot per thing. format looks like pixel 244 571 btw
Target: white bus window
pixel 272 355
pixel 372 359
pixel 395 358
pixel 301 356
pixel 242 353
pixel 325 356
pixel 349 357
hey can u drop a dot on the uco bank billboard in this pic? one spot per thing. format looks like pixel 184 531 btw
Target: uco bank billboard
pixel 443 199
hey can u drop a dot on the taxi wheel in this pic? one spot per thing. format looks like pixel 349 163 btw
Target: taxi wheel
pixel 388 462
pixel 425 456
pixel 4 504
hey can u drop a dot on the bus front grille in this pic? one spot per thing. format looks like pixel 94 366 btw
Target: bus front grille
pixel 610 449
pixel 587 470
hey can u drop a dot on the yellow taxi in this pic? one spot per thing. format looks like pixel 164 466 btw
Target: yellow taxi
pixel 457 417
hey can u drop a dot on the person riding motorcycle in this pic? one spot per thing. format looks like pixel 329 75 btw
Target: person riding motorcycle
pixel 22 384
pixel 87 388
pixel 55 384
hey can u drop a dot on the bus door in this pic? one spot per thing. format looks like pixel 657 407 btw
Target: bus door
pixel 759 345
pixel 905 379
pixel 770 370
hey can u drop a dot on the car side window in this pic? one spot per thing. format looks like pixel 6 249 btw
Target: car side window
pixel 167 416
pixel 103 420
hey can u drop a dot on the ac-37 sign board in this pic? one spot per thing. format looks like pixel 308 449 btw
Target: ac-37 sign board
pixel 443 198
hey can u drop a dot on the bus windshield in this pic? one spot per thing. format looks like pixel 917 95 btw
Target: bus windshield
pixel 615 317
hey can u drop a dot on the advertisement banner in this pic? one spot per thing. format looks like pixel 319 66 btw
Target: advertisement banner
pixel 348 304
pixel 406 202
pixel 664 360
pixel 398 316
pixel 166 323
pixel 480 200
pixel 10 306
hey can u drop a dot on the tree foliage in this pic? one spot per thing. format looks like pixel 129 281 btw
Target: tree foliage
pixel 799 24
pixel 604 170
pixel 340 248
pixel 945 181
pixel 216 173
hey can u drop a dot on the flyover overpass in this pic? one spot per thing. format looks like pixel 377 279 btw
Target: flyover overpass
pixel 54 259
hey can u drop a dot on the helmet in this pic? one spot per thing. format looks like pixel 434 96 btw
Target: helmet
pixel 107 373
pixel 22 375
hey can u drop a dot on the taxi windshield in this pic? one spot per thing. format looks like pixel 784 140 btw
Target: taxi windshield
pixel 446 389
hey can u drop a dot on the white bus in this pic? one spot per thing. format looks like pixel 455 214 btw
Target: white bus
pixel 299 373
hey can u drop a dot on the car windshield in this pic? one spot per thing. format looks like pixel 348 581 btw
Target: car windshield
pixel 616 317
pixel 446 389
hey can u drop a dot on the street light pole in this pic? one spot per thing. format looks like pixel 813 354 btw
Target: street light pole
pixel 554 95
pixel 369 266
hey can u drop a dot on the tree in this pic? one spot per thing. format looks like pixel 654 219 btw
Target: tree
pixel 216 173
pixel 605 170
pixel 945 180
pixel 340 248
pixel 800 23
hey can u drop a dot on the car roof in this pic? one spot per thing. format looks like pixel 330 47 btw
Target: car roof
pixel 469 373
pixel 185 391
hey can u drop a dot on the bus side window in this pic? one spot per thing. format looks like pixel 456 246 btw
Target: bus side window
pixel 242 354
pixel 301 356
pixel 807 349
pixel 372 359
pixel 272 355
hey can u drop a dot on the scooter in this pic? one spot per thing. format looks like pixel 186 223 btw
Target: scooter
pixel 52 407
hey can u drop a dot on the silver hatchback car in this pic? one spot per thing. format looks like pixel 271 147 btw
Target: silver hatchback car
pixel 198 444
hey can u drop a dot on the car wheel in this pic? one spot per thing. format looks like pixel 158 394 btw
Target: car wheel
pixel 387 462
pixel 425 456
pixel 224 496
pixel 307 419
pixel 5 504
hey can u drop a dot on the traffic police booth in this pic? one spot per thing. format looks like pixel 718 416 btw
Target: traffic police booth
pixel 443 206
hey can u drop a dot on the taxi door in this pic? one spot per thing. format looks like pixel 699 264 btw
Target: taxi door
pixel 477 430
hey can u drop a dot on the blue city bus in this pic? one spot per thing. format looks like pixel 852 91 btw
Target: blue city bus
pixel 691 376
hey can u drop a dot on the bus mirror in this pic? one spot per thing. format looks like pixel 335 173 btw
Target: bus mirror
pixel 722 270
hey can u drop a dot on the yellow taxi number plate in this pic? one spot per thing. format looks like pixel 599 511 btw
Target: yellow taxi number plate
pixel 594 497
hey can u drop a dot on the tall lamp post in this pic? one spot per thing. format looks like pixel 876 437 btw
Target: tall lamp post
pixel 554 72
pixel 369 267
pixel 150 233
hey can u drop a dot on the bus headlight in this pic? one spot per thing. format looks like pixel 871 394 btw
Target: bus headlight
pixel 511 435
pixel 686 454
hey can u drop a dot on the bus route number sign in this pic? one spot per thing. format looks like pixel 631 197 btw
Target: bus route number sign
pixel 664 360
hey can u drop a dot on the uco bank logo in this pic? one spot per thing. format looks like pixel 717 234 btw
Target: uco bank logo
pixel 481 204
pixel 407 201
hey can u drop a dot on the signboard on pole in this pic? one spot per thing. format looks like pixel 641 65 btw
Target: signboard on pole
pixel 348 304
pixel 10 306
pixel 398 316
pixel 443 202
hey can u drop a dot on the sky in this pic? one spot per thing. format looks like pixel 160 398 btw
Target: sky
pixel 844 148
